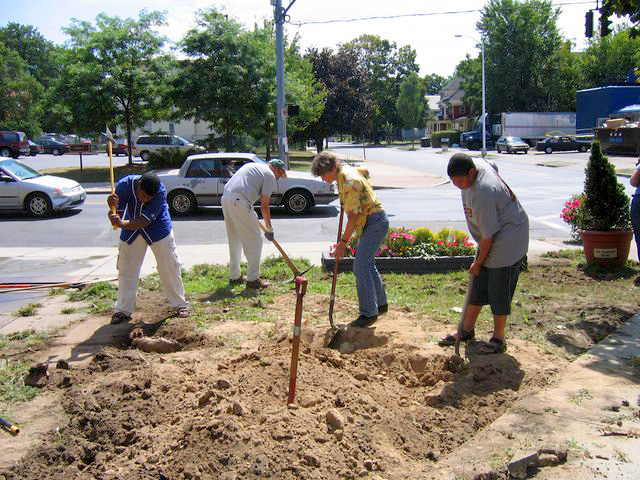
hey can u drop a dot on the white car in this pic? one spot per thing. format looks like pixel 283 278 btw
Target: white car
pixel 145 145
pixel 201 179
pixel 23 188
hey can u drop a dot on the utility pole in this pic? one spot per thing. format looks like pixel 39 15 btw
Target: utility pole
pixel 283 147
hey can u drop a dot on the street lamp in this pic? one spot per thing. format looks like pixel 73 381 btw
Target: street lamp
pixel 484 119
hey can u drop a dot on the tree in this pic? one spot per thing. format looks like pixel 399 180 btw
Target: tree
pixel 517 81
pixel 385 66
pixel 410 103
pixel 345 83
pixel 609 59
pixel 470 71
pixel 114 72
pixel 433 83
pixel 35 50
pixel 19 94
pixel 623 8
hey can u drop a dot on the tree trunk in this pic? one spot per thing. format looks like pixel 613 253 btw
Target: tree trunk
pixel 127 122
pixel 228 136
pixel 319 144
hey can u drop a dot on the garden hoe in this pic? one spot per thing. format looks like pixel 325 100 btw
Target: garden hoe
pixel 294 269
pixel 332 340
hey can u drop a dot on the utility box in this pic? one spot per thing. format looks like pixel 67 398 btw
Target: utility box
pixel 619 140
pixel 444 143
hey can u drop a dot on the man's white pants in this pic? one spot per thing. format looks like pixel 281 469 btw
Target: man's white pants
pixel 130 259
pixel 243 234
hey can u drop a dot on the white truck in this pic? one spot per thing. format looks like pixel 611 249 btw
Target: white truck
pixel 529 126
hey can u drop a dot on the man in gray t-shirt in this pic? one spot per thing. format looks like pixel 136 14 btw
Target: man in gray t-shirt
pixel 251 182
pixel 500 226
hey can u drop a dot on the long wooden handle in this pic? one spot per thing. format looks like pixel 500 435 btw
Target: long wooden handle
pixel 282 252
pixel 111 176
pixel 332 298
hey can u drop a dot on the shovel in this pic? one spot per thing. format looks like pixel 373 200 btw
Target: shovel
pixel 294 269
pixel 463 314
pixel 332 339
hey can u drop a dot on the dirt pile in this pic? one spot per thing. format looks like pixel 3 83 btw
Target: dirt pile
pixel 388 409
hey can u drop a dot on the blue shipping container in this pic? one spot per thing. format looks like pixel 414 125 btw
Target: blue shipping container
pixel 595 104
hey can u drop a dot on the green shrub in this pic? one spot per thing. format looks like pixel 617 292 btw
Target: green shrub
pixel 166 158
pixel 424 235
pixel 452 135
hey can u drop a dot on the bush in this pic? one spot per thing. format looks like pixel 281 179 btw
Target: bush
pixel 452 135
pixel 606 201
pixel 166 158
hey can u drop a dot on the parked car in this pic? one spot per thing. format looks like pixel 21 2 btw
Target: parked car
pixel 13 144
pixel 34 148
pixel 52 146
pixel 24 188
pixel 511 145
pixel 201 179
pixel 121 147
pixel 146 144
pixel 562 144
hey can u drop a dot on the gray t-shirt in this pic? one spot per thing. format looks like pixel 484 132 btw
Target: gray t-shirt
pixel 252 181
pixel 491 212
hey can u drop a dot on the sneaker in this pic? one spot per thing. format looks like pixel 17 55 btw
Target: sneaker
pixel 259 283
pixel 120 317
pixel 382 309
pixel 237 281
pixel 363 321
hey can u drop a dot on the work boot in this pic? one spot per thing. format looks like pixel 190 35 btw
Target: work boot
pixel 120 317
pixel 237 281
pixel 363 321
pixel 382 309
pixel 259 283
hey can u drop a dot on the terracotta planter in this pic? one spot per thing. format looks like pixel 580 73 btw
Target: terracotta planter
pixel 403 264
pixel 606 248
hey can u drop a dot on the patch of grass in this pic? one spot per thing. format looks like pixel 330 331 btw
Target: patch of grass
pixel 578 449
pixel 621 456
pixel 68 310
pixel 100 296
pixel 95 174
pixel 28 310
pixel 570 253
pixel 580 396
pixel 499 460
pixel 233 340
pixel 53 292
pixel 12 387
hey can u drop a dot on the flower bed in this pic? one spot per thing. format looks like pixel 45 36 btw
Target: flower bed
pixel 413 251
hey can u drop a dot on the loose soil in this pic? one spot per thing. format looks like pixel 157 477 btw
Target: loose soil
pixel 387 404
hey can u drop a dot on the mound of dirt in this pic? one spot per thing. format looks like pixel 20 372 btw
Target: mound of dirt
pixel 387 404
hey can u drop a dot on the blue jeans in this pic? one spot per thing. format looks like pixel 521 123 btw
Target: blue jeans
pixel 635 220
pixel 369 283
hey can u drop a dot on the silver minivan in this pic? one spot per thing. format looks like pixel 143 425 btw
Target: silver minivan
pixel 145 144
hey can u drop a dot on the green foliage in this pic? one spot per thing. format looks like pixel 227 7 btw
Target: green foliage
pixel 410 103
pixel 606 201
pixel 424 235
pixel 101 296
pixel 516 81
pixel 433 83
pixel 20 93
pixel 12 387
pixel 623 8
pixel 114 71
pixel 28 310
pixel 609 59
pixel 166 158
pixel 452 135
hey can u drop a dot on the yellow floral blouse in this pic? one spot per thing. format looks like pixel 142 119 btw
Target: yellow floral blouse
pixel 357 195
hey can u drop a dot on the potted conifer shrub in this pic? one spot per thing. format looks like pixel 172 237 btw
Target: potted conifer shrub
pixel 606 228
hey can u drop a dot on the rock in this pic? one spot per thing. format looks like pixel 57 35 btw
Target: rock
pixel 490 475
pixel 346 348
pixel 518 468
pixel 454 363
pixel 388 358
pixel 370 465
pixel 547 460
pixel 614 408
pixel 433 456
pixel 339 434
pixel 625 403
pixel 402 379
pixel 206 398
pixel 66 382
pixel 156 345
pixel 223 384
pixel 62 364
pixel 308 402
pixel 38 376
pixel 361 376
pixel 238 409
pixel 560 453
pixel 312 460
pixel 335 420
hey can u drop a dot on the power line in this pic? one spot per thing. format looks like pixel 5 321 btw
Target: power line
pixel 429 14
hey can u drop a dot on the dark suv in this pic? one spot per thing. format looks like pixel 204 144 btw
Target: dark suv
pixel 13 144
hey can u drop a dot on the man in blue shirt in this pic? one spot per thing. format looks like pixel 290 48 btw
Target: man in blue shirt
pixel 143 215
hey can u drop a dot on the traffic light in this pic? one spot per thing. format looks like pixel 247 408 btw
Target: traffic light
pixel 605 26
pixel 588 24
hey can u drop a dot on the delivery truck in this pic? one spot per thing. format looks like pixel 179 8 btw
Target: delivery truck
pixel 529 126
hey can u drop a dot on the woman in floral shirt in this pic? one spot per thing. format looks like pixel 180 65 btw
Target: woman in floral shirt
pixel 366 219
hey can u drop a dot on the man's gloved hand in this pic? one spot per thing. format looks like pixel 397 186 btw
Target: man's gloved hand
pixel 269 234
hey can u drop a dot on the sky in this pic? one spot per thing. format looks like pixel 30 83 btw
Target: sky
pixel 432 35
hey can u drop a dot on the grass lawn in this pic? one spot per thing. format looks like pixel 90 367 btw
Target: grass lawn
pixel 95 174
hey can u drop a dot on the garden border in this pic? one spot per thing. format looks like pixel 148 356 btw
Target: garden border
pixel 403 264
